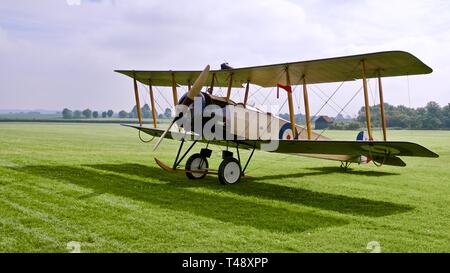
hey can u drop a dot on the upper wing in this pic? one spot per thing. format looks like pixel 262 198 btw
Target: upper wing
pixel 164 78
pixel 388 64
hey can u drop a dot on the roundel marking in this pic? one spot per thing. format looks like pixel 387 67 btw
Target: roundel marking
pixel 380 149
pixel 286 132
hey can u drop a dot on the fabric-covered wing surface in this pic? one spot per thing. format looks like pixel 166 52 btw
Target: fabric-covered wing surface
pixel 366 148
pixel 329 147
pixel 164 78
pixel 388 64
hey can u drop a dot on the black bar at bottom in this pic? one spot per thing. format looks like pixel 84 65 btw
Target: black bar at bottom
pixel 221 262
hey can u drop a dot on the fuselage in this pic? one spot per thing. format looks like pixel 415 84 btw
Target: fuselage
pixel 247 122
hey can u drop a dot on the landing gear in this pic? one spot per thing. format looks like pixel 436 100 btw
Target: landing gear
pixel 230 171
pixel 345 165
pixel 196 166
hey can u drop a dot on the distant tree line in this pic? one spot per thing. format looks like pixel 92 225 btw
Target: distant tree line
pixel 87 113
pixel 147 113
pixel 432 116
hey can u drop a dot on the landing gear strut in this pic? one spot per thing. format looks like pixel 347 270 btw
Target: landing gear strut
pixel 197 167
pixel 345 165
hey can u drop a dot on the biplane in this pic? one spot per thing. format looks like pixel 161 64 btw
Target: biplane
pixel 247 131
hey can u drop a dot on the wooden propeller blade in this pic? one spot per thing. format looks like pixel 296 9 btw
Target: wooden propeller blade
pixel 194 91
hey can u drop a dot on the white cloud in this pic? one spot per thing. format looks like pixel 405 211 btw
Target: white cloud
pixel 55 55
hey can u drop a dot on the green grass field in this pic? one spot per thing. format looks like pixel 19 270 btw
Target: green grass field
pixel 97 184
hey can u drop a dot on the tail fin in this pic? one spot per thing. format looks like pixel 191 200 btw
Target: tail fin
pixel 362 136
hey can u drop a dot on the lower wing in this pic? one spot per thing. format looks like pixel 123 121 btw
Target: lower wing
pixel 383 152
pixel 367 148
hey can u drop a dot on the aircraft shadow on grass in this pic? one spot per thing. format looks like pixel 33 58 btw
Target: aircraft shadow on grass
pixel 174 193
pixel 326 201
pixel 173 196
pixel 322 171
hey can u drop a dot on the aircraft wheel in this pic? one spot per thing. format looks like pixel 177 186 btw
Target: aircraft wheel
pixel 196 162
pixel 230 171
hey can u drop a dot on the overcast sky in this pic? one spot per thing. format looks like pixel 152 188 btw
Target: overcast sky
pixel 55 55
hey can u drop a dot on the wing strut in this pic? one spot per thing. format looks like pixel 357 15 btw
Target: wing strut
pixel 152 101
pixel 383 119
pixel 307 115
pixel 366 99
pixel 230 84
pixel 136 95
pixel 291 104
pixel 174 91
pixel 210 90
pixel 246 92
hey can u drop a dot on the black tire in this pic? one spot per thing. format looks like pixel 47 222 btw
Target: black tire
pixel 230 171
pixel 194 162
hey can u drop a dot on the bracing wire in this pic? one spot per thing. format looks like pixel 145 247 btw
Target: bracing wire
pixel 295 99
pixel 273 88
pixel 374 98
pixel 326 102
pixel 219 88
pixel 239 94
pixel 299 97
pixel 164 97
pixel 256 98
pixel 371 91
pixel 146 99
pixel 281 107
pixel 143 99
pixel 268 94
pixel 156 101
pixel 320 97
pixel 409 96
pixel 351 99
pixel 325 95
pixel 409 93
pixel 256 91
pixel 332 95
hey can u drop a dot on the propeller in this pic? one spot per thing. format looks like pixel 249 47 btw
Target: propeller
pixel 192 93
